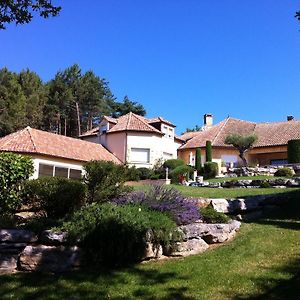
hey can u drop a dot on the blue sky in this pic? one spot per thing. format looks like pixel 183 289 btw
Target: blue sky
pixel 179 58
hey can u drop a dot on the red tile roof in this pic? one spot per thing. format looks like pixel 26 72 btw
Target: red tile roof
pixel 35 141
pixel 269 134
pixel 91 132
pixel 160 120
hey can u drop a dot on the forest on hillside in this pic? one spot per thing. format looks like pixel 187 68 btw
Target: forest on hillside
pixel 69 104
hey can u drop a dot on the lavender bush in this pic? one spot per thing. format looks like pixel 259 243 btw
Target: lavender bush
pixel 163 199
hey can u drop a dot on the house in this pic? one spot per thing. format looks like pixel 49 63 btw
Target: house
pixel 136 140
pixel 53 154
pixel 270 148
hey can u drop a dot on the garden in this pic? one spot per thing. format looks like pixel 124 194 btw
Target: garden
pixel 111 223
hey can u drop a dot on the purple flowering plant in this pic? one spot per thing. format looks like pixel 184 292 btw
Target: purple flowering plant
pixel 164 199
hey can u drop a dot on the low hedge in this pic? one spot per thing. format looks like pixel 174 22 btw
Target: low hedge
pixel 209 215
pixel 281 172
pixel 57 196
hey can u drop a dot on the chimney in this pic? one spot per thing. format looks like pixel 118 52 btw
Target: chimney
pixel 290 118
pixel 208 120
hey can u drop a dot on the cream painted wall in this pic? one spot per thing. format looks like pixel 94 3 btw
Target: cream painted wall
pixel 158 145
pixel 116 143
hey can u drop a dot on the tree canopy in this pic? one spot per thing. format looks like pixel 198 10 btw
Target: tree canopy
pixel 242 143
pixel 21 11
pixel 69 104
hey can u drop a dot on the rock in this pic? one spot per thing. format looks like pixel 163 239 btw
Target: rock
pixel 186 248
pixel 243 182
pixel 51 238
pixel 257 182
pixel 17 236
pixel 227 184
pixel 251 216
pixel 214 184
pixel 27 215
pixel 12 248
pixel 199 202
pixel 295 182
pixel 221 205
pixel 152 251
pixel 49 258
pixel 210 233
pixel 8 263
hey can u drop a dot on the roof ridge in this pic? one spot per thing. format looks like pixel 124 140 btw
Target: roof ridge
pixel 226 120
pixel 28 128
pixel 128 120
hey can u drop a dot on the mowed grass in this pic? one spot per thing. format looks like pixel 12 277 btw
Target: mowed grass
pixel 205 192
pixel 263 262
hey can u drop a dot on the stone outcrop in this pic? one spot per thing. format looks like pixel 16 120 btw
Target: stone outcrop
pixel 48 237
pixel 49 258
pixel 17 236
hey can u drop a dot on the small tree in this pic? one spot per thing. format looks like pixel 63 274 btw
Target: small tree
pixel 208 151
pixel 198 164
pixel 14 170
pixel 242 143
pixel 294 151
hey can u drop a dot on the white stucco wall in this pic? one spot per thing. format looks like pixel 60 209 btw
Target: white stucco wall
pixel 158 145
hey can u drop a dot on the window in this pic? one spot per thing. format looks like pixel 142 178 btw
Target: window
pixel 140 155
pixel 51 170
pixel 75 174
pixel 103 128
pixel 279 162
pixel 45 170
pixel 61 172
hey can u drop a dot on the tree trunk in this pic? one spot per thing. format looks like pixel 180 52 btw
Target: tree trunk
pixel 241 155
pixel 78 119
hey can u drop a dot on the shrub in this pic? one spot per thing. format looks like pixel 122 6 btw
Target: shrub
pixel 14 170
pixel 173 163
pixel 294 151
pixel 118 234
pixel 210 170
pixel 57 196
pixel 104 180
pixel 132 173
pixel 144 173
pixel 179 171
pixel 208 151
pixel 265 185
pixel 284 172
pixel 209 215
pixel 198 164
pixel 155 177
pixel 163 199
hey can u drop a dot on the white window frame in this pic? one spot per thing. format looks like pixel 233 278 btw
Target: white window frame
pixel 132 160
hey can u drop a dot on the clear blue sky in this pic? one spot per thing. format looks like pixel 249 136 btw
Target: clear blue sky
pixel 179 58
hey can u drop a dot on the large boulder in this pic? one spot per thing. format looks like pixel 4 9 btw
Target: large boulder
pixel 17 236
pixel 152 251
pixel 49 237
pixel 186 248
pixel 295 182
pixel 49 258
pixel 210 233
pixel 222 205
pixel 8 263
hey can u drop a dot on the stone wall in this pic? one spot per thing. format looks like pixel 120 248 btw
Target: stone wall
pixel 22 250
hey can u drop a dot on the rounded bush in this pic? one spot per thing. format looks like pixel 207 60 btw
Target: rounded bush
pixel 173 163
pixel 57 196
pixel 210 170
pixel 179 171
pixel 209 215
pixel 294 151
pixel 116 234
pixel 281 172
pixel 144 173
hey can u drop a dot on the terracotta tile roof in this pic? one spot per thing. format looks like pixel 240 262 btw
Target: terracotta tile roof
pixel 269 134
pixel 160 120
pixel 91 132
pixel 111 119
pixel 32 141
pixel 188 135
pixel 133 122
pixel 277 133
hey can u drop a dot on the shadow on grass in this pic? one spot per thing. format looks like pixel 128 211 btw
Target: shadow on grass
pixel 132 282
pixel 278 289
pixel 288 217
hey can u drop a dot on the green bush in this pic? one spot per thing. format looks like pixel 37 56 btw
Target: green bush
pixel 132 173
pixel 117 234
pixel 144 173
pixel 57 196
pixel 173 163
pixel 281 172
pixel 210 170
pixel 294 151
pixel 179 171
pixel 265 185
pixel 209 215
pixel 14 170
pixel 208 151
pixel 104 180
pixel 155 177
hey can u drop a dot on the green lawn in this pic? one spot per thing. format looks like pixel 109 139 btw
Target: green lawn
pixel 263 262
pixel 205 192
pixel 260 177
